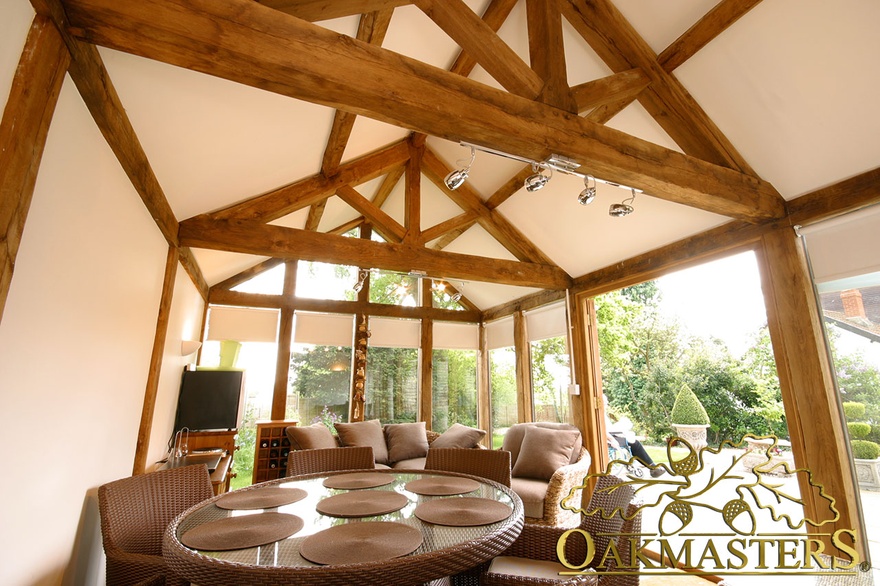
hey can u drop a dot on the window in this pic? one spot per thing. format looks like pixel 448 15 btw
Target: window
pixel 502 378
pixel 454 384
pixel 550 379
pixel 392 377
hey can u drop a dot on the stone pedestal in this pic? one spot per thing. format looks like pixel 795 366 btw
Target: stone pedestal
pixel 694 434
pixel 868 473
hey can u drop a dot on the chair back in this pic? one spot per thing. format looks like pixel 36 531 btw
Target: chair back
pixel 330 460
pixel 491 464
pixel 610 495
pixel 136 511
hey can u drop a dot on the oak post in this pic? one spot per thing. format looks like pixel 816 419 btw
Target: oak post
pixel 524 401
pixel 285 335
pixel 812 407
pixel 149 408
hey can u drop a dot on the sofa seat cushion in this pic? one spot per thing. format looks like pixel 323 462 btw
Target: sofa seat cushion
pixel 406 441
pixel 364 433
pixel 507 565
pixel 383 467
pixel 410 464
pixel 532 493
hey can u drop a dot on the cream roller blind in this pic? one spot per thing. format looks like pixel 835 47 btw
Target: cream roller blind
pixel 242 324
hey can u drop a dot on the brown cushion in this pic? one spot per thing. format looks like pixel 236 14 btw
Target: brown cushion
pixel 310 437
pixel 364 433
pixel 459 436
pixel 406 440
pixel 514 436
pixel 543 451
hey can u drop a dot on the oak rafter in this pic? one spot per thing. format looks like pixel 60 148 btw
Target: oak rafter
pixel 252 44
pixel 250 237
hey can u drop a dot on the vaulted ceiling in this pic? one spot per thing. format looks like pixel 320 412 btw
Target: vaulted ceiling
pixel 267 129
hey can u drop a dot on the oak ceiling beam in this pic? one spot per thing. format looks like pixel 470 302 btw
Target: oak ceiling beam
pixel 371 29
pixel 315 10
pixel 608 90
pixel 97 91
pixel 842 197
pixel 23 130
pixel 547 54
pixel 715 22
pixel 248 43
pixel 438 230
pixel 618 44
pixel 387 226
pixel 493 222
pixel 494 16
pixel 305 192
pixel 477 38
pixel 250 237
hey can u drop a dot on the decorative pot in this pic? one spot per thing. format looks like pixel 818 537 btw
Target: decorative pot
pixel 868 473
pixel 694 434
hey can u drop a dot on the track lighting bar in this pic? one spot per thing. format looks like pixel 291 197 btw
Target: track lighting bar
pixel 554 162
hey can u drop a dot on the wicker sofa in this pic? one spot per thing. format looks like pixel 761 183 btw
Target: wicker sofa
pixel 402 446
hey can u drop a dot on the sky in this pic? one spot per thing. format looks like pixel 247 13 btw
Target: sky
pixel 723 299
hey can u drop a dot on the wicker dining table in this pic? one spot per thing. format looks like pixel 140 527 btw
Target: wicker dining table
pixel 323 548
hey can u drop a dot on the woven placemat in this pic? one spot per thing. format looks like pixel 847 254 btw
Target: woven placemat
pixel 462 512
pixel 260 498
pixel 362 503
pixel 358 480
pixel 444 486
pixel 242 532
pixel 360 542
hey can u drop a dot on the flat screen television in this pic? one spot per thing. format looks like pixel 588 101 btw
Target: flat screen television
pixel 209 400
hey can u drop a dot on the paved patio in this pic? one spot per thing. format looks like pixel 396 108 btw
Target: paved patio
pixel 708 524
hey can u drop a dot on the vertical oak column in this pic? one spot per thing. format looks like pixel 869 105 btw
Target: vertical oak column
pixel 285 335
pixel 426 357
pixel 808 391
pixel 524 400
pixel 587 408
pixel 484 386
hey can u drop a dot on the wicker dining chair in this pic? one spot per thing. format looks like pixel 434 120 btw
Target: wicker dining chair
pixel 491 464
pixel 538 542
pixel 134 514
pixel 330 460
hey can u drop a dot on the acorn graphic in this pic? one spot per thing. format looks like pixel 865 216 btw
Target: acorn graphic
pixel 733 516
pixel 687 465
pixel 675 517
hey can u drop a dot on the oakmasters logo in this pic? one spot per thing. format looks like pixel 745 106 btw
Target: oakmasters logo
pixel 707 510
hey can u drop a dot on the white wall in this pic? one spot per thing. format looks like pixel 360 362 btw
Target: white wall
pixel 75 342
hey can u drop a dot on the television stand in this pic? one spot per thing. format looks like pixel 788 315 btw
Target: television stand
pixel 225 440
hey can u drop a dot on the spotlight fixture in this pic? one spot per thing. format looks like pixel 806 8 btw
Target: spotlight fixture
pixel 589 193
pixel 537 180
pixel 456 178
pixel 362 277
pixel 619 210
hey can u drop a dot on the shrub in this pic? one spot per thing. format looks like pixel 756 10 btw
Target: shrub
pixel 854 411
pixel 864 450
pixel 687 409
pixel 858 429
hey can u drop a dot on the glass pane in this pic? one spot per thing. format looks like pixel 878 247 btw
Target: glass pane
pixel 269 282
pixel 454 389
pixel 392 385
pixel 550 379
pixel 318 280
pixel 394 288
pixel 320 383
pixel 446 295
pixel 502 387
pixel 258 360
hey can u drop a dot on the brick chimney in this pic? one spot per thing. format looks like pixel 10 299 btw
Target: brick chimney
pixel 852 303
